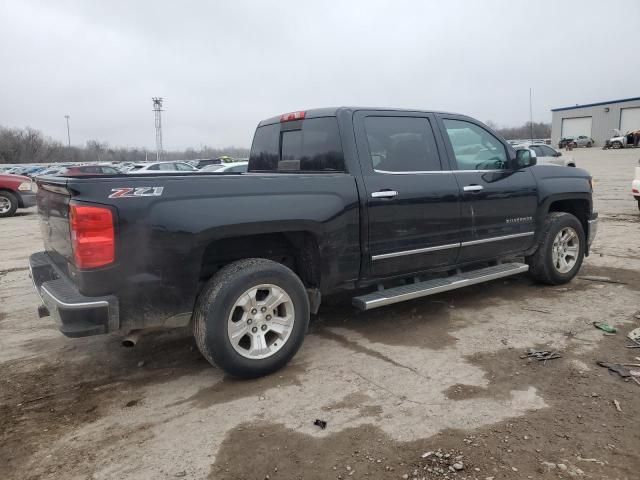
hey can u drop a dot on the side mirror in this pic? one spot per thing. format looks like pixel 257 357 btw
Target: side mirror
pixel 558 154
pixel 525 157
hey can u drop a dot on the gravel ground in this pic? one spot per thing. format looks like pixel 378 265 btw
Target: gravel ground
pixel 433 388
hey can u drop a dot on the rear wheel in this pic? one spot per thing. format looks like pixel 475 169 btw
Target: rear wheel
pixel 638 203
pixel 251 317
pixel 560 251
pixel 8 204
pixel 589 145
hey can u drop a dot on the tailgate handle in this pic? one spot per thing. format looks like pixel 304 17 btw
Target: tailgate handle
pixel 384 194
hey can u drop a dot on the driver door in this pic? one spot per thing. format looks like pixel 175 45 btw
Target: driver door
pixel 499 202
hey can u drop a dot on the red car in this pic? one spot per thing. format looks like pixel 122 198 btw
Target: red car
pixel 16 191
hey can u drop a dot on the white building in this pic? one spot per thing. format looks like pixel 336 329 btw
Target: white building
pixel 595 120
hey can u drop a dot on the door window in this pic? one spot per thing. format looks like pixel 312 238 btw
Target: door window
pixel 539 151
pixel 547 151
pixel 401 144
pixel 167 166
pixel 474 147
pixel 183 167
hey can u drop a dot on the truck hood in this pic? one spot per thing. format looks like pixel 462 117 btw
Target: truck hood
pixel 9 177
pixel 542 172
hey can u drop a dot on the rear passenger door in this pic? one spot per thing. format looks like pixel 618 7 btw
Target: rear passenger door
pixel 499 200
pixel 412 198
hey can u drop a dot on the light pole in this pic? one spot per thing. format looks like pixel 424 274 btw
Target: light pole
pixel 68 134
pixel 530 114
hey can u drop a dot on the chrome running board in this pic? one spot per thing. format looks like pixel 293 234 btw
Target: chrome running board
pixel 437 285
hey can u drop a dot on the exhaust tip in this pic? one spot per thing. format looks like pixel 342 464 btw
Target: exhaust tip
pixel 131 339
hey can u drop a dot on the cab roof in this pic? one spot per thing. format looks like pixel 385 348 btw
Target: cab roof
pixel 334 111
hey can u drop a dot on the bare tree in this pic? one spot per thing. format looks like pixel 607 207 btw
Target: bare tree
pixel 29 145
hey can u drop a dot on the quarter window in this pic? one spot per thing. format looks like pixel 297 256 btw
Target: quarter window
pixel 474 147
pixel 401 144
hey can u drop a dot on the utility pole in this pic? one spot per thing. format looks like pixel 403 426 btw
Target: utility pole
pixel 68 134
pixel 530 114
pixel 157 109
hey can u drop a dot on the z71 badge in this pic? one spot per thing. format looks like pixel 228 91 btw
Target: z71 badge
pixel 128 192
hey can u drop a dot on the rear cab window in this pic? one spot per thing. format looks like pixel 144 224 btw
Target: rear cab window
pixel 309 145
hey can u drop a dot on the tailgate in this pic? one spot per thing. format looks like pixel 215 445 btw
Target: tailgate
pixel 53 209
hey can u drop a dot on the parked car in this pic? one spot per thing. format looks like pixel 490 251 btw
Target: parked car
pixel 583 141
pixel 547 155
pixel 16 191
pixel 81 170
pixel 51 171
pixel 618 140
pixel 566 141
pixel 161 167
pixel 635 185
pixel 402 203
pixel 233 167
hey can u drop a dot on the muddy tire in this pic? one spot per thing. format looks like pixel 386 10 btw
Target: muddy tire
pixel 560 250
pixel 8 204
pixel 251 317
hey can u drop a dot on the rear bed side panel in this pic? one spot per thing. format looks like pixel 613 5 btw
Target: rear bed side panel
pixel 161 239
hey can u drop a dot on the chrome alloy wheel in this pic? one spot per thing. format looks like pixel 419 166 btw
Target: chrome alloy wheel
pixel 565 250
pixel 261 321
pixel 5 204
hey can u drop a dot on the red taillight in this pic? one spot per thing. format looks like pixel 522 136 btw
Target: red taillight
pixel 92 236
pixel 289 117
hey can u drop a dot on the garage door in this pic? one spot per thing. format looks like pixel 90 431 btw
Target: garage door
pixel 574 127
pixel 629 119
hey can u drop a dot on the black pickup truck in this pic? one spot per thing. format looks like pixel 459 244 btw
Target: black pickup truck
pixel 396 204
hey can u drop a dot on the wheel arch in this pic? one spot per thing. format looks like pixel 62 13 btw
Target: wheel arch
pixel 577 204
pixel 299 250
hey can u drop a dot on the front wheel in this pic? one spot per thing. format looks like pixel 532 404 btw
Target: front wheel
pixel 251 317
pixel 560 251
pixel 589 145
pixel 8 204
pixel 616 145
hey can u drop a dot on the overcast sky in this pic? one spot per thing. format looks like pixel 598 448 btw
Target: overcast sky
pixel 223 66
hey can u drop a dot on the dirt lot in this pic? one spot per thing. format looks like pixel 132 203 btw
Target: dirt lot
pixel 442 374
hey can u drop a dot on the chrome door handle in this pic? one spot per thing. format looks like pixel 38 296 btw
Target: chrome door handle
pixel 384 194
pixel 472 188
